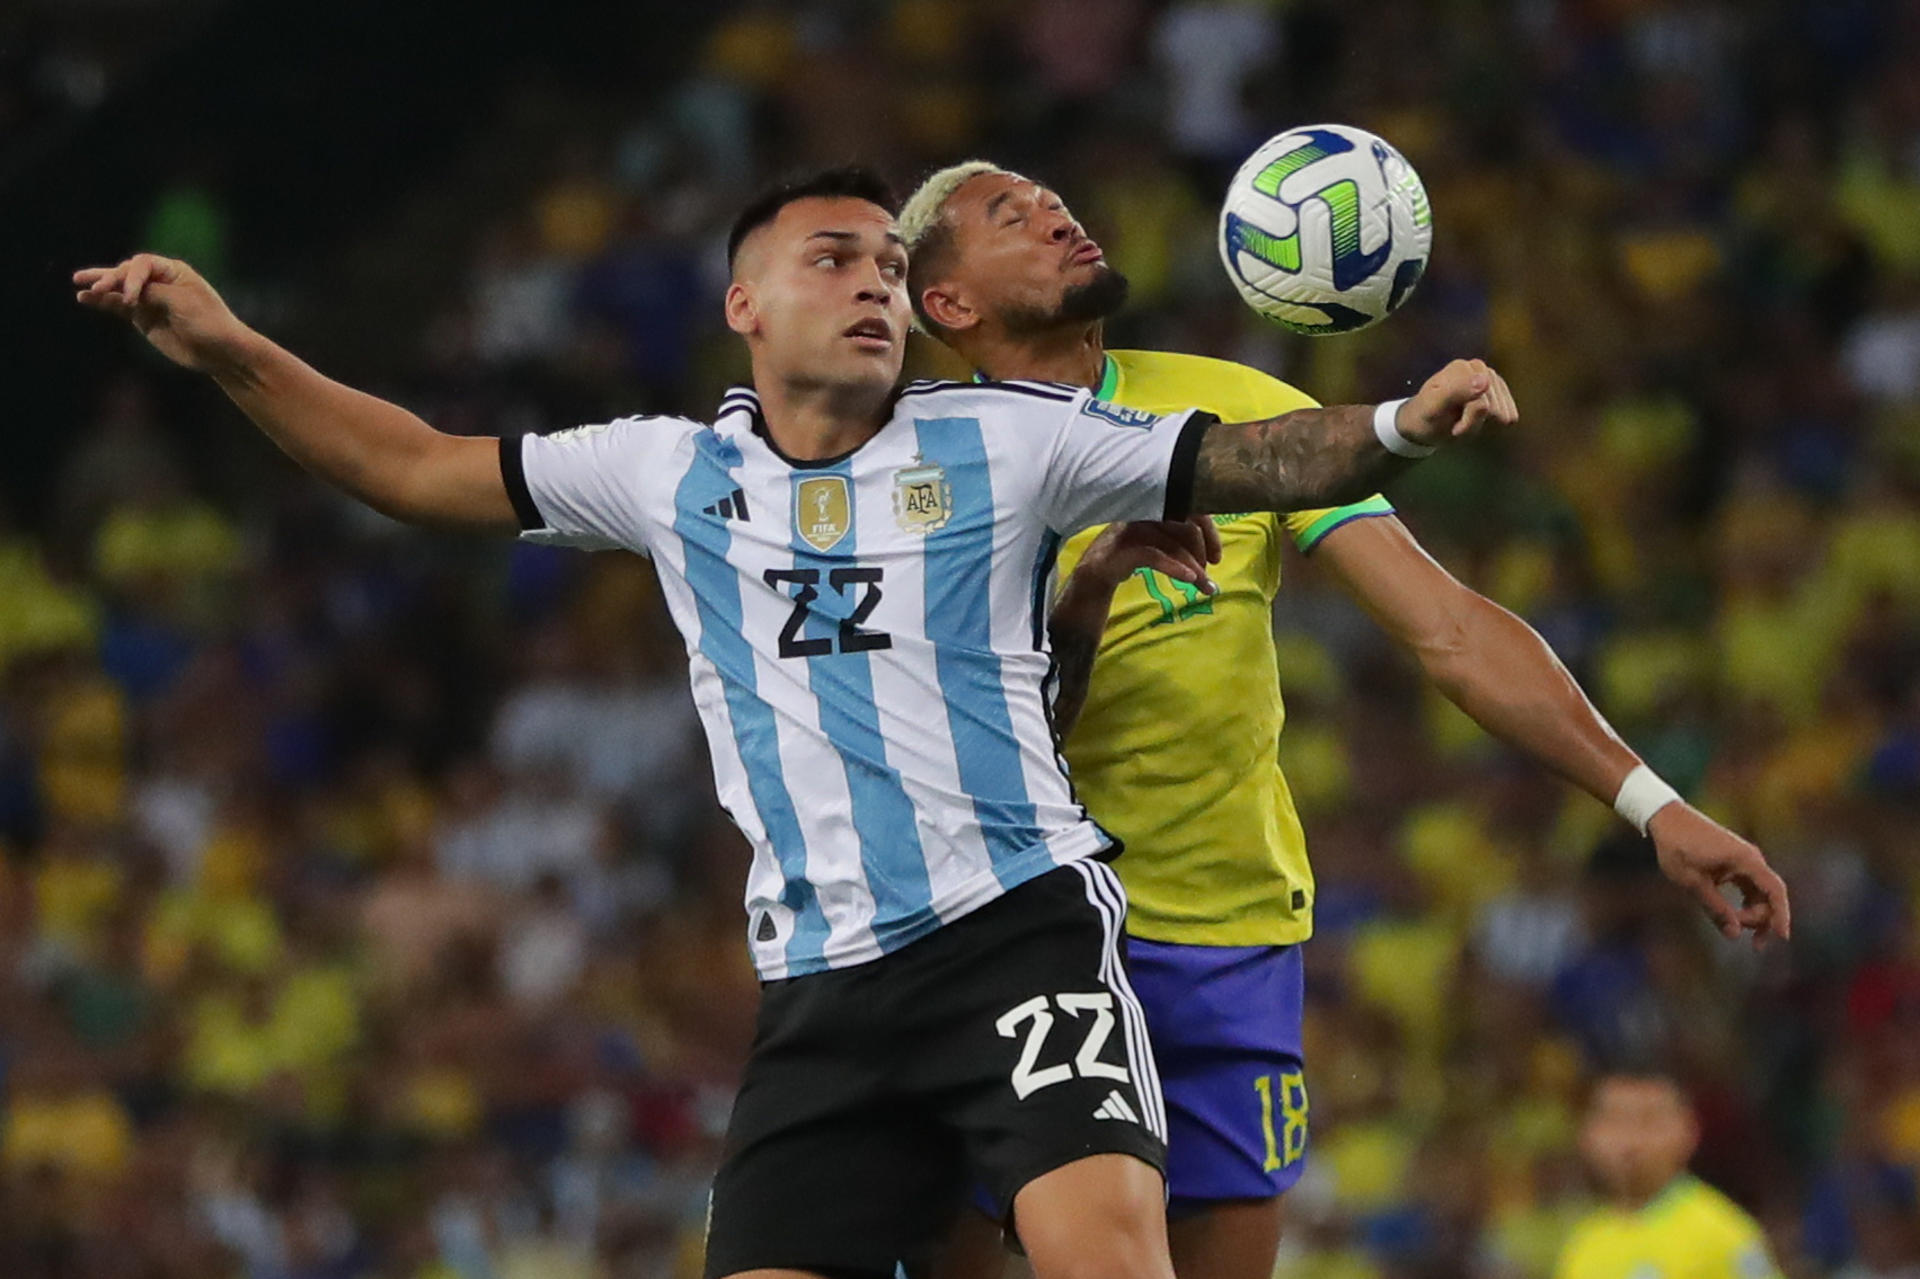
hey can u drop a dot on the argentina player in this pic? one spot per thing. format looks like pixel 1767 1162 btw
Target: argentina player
pixel 855 569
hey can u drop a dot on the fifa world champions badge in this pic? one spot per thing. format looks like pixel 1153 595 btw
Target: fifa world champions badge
pixel 922 498
pixel 822 511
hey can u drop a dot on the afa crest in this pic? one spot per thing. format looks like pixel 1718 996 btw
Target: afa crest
pixel 922 498
pixel 822 511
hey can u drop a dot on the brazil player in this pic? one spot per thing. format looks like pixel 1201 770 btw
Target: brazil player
pixel 1177 756
pixel 1659 1221
pixel 853 566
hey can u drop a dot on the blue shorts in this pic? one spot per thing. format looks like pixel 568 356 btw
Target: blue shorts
pixel 1225 1022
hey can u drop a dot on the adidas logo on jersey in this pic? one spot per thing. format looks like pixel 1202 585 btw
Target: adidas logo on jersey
pixel 1116 1107
pixel 732 507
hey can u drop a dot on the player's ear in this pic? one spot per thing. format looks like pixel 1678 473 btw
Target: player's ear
pixel 945 308
pixel 743 317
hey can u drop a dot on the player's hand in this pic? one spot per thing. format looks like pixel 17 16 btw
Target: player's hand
pixel 1457 401
pixel 1701 856
pixel 169 303
pixel 1181 549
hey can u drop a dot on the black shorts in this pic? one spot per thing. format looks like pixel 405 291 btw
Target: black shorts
pixel 997 1048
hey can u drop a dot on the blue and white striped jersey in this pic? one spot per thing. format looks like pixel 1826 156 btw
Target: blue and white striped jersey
pixel 866 634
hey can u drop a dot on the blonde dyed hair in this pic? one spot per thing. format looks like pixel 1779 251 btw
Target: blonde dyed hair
pixel 927 205
pixel 923 217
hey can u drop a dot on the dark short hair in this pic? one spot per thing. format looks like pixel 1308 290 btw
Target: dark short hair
pixel 851 181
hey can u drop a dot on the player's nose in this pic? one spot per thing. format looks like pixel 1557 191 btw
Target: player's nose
pixel 875 286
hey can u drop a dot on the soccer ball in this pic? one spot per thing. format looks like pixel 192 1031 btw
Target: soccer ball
pixel 1325 229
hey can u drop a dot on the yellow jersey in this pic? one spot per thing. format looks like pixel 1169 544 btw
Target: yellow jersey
pixel 1690 1231
pixel 1176 751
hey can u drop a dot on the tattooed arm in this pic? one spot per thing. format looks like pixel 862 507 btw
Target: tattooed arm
pixel 1330 456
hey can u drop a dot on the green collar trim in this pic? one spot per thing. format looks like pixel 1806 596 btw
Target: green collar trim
pixel 1109 379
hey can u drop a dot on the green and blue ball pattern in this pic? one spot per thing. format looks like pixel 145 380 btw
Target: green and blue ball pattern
pixel 1325 229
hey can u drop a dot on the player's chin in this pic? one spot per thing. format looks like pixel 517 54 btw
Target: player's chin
pixel 864 366
pixel 1094 291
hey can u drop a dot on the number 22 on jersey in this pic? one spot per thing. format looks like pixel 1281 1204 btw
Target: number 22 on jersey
pixel 842 581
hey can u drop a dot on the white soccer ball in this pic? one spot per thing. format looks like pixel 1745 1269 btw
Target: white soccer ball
pixel 1325 229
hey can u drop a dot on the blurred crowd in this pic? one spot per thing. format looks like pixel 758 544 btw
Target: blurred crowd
pixel 61 58
pixel 365 909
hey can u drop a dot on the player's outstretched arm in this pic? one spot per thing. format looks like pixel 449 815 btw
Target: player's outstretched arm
pixel 1331 456
pixel 1498 670
pixel 376 451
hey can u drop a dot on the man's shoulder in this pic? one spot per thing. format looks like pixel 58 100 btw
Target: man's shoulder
pixel 638 428
pixel 920 397
pixel 1714 1228
pixel 1232 391
pixel 1009 416
pixel 1144 363
pixel 1590 1240
pixel 1705 1208
pixel 1579 1242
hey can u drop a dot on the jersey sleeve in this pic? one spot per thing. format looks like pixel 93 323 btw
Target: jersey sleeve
pixel 580 487
pixel 1310 528
pixel 1110 463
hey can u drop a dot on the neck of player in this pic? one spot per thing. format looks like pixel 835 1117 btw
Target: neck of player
pixel 810 421
pixel 1642 1195
pixel 1074 354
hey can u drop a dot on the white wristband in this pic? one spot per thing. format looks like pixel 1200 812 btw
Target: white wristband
pixel 1388 432
pixel 1641 796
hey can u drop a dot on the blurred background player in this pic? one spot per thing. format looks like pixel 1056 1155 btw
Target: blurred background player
pixel 1660 1222
pixel 1178 756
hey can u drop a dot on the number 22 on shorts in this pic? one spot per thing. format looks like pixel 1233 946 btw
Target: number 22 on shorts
pixel 1086 1062
pixel 1290 1142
